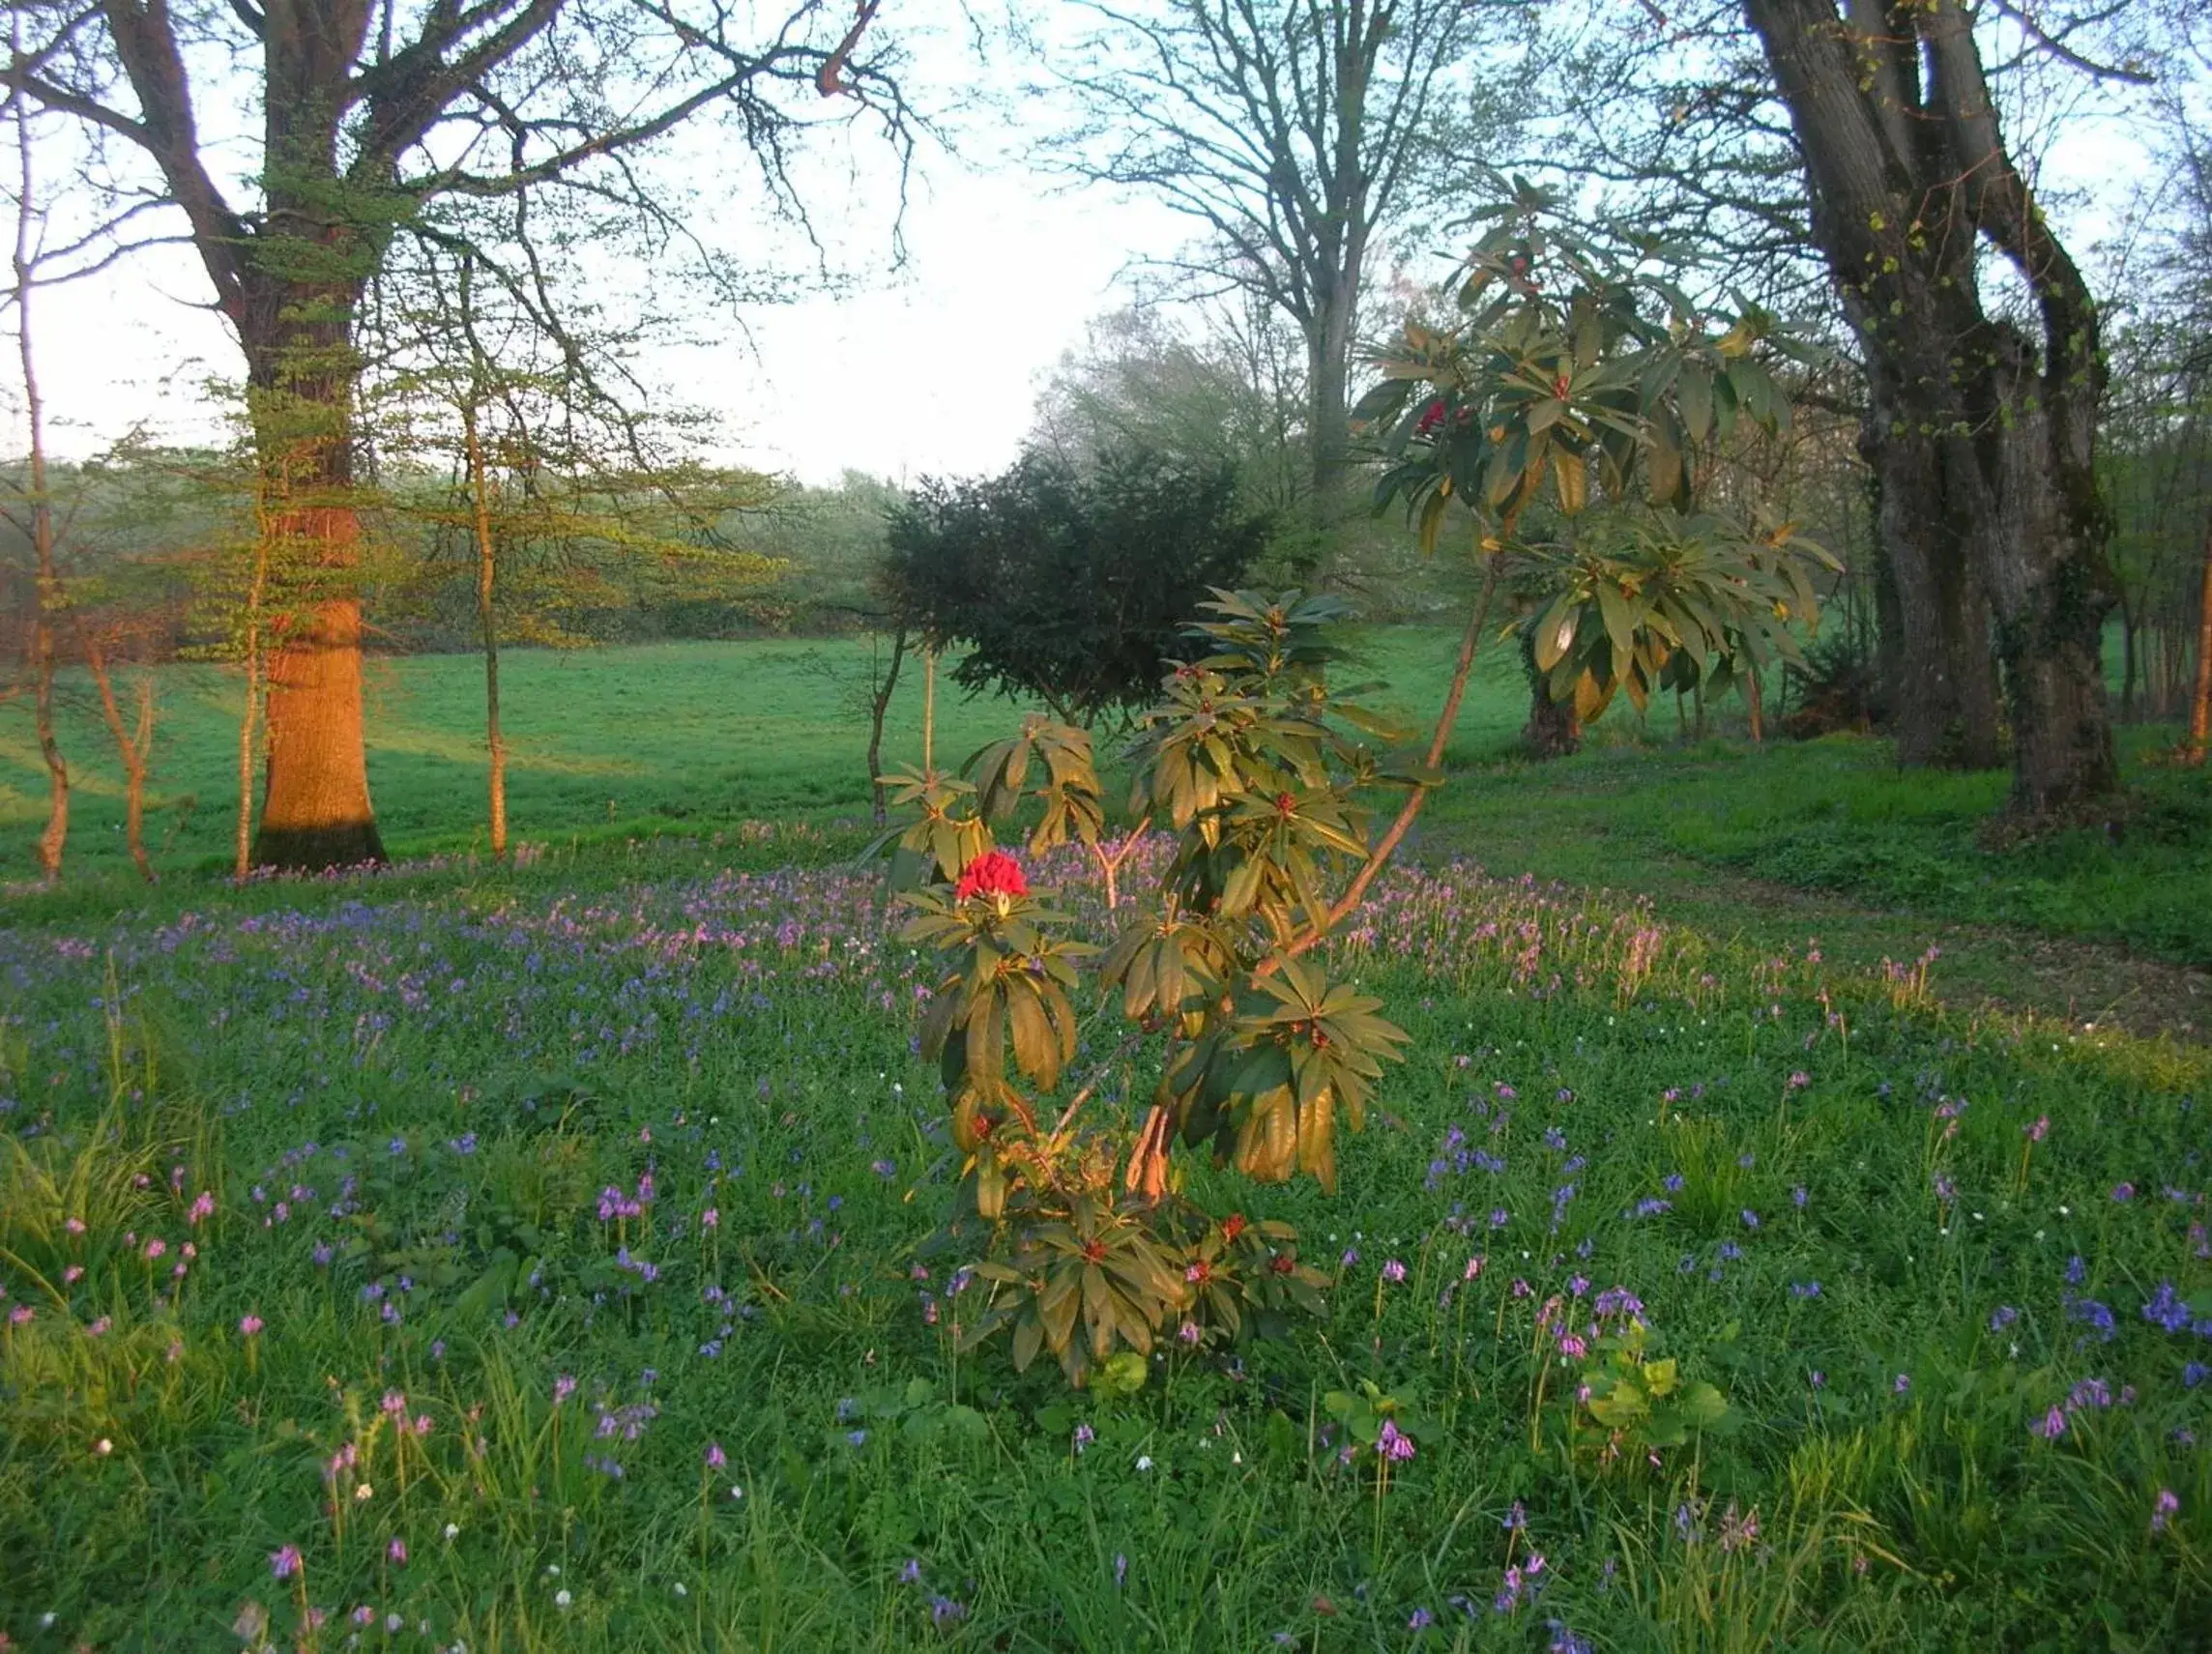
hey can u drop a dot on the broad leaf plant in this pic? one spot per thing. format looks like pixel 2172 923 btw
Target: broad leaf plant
pixel 1574 407
pixel 1089 1241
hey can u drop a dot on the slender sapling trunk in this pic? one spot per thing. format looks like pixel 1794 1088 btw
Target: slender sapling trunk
pixel 133 747
pixel 2200 702
pixel 50 594
pixel 488 562
pixel 879 707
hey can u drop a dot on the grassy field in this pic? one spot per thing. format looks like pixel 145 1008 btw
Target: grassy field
pixel 688 739
pixel 537 1259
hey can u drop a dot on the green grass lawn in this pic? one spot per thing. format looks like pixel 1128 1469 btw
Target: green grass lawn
pixel 361 1283
pixel 541 1257
pixel 603 743
pixel 690 740
pixel 682 738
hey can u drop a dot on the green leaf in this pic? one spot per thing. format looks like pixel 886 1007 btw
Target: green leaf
pixel 1702 1404
pixel 1620 621
pixel 1694 395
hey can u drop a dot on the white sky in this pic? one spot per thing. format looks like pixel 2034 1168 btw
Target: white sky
pixel 933 369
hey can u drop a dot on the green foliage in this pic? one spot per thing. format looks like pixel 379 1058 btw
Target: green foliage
pixel 1566 409
pixel 1365 1409
pixel 1663 602
pixel 1247 757
pixel 760 1078
pixel 1069 586
pixel 1632 1402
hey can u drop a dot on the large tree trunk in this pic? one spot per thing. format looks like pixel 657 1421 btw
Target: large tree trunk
pixel 315 810
pixel 2051 597
pixel 2045 518
pixel 1327 421
pixel 1984 442
pixel 1942 679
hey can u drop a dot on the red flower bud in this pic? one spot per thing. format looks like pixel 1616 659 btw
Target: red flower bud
pixel 994 873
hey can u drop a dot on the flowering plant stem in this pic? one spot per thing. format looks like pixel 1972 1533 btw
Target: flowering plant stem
pixel 1469 645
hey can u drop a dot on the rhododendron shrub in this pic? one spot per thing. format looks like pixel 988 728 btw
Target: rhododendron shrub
pixel 1081 1231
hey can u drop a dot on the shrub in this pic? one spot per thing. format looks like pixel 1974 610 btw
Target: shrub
pixel 1071 586
pixel 1088 1246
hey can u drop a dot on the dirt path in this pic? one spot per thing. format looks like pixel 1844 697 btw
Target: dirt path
pixel 1980 966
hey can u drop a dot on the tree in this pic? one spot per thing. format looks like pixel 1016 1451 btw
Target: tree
pixel 1982 428
pixel 1072 586
pixel 38 504
pixel 555 494
pixel 1639 601
pixel 1607 387
pixel 134 744
pixel 1227 391
pixel 1088 1246
pixel 378 122
pixel 1294 133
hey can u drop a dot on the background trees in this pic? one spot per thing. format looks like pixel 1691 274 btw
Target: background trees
pixel 377 126
pixel 1293 135
pixel 1997 499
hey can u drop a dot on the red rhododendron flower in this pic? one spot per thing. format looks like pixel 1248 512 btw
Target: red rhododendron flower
pixel 994 873
pixel 1432 417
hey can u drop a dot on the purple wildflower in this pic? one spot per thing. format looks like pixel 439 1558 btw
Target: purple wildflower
pixel 2163 1509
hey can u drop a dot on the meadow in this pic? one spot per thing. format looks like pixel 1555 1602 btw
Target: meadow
pixel 616 744
pixel 540 1257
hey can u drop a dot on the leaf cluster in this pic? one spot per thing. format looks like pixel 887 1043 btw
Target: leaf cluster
pixel 1632 1402
pixel 1567 408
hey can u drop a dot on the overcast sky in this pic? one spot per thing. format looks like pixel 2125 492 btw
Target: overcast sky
pixel 932 369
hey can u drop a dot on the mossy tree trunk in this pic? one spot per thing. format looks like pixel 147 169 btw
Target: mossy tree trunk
pixel 1981 432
